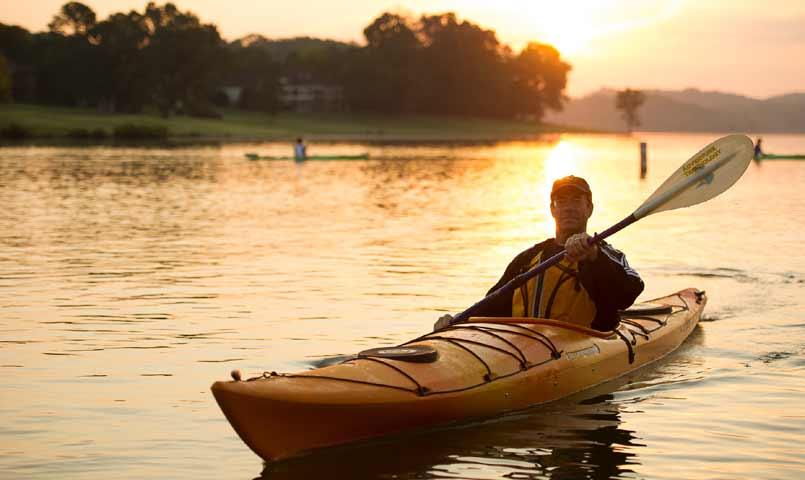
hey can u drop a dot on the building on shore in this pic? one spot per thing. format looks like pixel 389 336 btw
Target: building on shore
pixel 301 93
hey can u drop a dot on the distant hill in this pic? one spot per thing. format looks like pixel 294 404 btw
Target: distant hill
pixel 689 111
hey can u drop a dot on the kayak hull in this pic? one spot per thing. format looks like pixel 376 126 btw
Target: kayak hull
pixel 771 156
pixel 362 156
pixel 485 368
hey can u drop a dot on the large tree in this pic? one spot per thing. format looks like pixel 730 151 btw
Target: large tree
pixel 462 67
pixel 185 55
pixel 121 64
pixel 540 78
pixel 439 64
pixel 381 76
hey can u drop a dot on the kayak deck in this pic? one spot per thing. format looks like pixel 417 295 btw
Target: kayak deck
pixel 485 367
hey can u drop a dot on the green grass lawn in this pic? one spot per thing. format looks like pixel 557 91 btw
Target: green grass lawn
pixel 45 121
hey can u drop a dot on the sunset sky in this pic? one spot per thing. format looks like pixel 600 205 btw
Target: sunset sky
pixel 740 46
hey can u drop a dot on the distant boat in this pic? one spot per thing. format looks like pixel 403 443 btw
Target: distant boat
pixel 361 156
pixel 773 156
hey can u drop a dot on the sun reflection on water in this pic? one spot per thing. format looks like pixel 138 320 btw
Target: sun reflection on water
pixel 560 162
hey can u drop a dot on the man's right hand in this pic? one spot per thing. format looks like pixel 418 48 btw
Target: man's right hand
pixel 443 321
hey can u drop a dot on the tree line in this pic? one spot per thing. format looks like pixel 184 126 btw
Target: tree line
pixel 168 59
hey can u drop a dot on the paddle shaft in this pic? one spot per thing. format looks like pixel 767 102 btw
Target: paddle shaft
pixel 519 280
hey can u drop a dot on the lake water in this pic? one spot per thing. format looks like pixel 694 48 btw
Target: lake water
pixel 132 278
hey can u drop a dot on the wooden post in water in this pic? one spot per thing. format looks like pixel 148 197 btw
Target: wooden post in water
pixel 643 161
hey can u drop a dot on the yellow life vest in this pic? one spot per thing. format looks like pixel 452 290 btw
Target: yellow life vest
pixel 556 294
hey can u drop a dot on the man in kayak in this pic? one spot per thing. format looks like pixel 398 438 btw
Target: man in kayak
pixel 586 288
pixel 299 150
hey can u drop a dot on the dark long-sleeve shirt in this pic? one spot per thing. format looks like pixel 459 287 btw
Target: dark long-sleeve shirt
pixel 609 280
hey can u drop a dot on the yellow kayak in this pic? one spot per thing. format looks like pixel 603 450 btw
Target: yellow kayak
pixel 482 368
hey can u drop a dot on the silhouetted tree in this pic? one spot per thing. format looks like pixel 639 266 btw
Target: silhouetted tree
pixel 5 80
pixel 122 67
pixel 16 43
pixel 168 58
pixel 18 46
pixel 185 55
pixel 445 66
pixel 74 18
pixel 540 78
pixel 66 70
pixel 628 101
pixel 462 69
pixel 380 76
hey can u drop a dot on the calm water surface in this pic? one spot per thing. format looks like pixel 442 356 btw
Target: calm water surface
pixel 132 278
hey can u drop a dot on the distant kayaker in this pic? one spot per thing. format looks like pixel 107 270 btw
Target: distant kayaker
pixel 586 288
pixel 758 149
pixel 299 150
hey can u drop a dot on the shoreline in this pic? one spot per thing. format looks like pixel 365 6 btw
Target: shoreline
pixel 44 124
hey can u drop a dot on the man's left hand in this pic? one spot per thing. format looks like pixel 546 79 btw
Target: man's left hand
pixel 579 249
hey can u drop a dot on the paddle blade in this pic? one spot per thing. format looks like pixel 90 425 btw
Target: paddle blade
pixel 714 169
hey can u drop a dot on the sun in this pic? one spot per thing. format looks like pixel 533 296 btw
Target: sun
pixel 569 30
pixel 569 25
pixel 574 26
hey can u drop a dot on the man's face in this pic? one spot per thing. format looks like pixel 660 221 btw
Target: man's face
pixel 571 209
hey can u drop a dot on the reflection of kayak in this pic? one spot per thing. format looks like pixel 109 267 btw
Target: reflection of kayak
pixel 362 156
pixel 772 156
pixel 478 369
